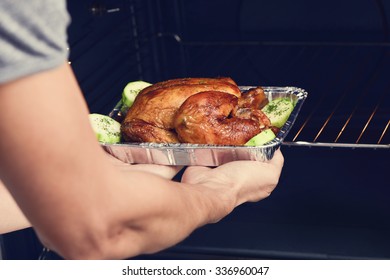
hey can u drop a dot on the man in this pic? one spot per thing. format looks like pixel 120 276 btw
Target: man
pixel 82 203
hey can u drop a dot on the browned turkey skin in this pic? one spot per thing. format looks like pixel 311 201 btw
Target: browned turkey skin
pixel 195 110
pixel 213 117
pixel 190 81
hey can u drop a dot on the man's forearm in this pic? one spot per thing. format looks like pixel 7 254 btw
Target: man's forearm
pixel 138 213
pixel 161 215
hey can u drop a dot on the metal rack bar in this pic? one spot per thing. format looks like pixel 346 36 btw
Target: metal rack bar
pixel 178 38
pixel 360 99
pixel 367 123
pixel 135 37
pixel 372 115
pixel 339 102
pixel 384 132
pixel 337 145
pixel 315 109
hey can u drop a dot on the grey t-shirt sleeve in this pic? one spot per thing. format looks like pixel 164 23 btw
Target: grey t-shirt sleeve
pixel 33 37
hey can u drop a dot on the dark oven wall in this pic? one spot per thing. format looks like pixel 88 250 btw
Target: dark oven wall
pixel 111 43
pixel 333 198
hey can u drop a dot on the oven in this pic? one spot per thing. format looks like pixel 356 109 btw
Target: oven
pixel 333 198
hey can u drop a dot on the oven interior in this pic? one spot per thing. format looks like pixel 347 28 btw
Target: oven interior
pixel 333 198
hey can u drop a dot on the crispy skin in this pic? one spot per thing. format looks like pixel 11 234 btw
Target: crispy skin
pixel 157 107
pixel 249 106
pixel 189 81
pixel 140 131
pixel 253 98
pixel 211 118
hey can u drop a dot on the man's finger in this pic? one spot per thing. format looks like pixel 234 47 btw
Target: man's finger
pixel 278 159
pixel 164 171
pixel 167 172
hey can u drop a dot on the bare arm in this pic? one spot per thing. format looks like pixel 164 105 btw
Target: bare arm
pixel 81 205
pixel 11 217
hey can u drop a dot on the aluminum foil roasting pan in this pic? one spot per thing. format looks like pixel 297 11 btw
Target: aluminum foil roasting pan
pixel 206 155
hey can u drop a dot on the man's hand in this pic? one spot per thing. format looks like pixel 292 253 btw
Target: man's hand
pixel 250 181
pixel 167 172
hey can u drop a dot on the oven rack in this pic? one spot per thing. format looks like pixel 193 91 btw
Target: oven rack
pixel 344 112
